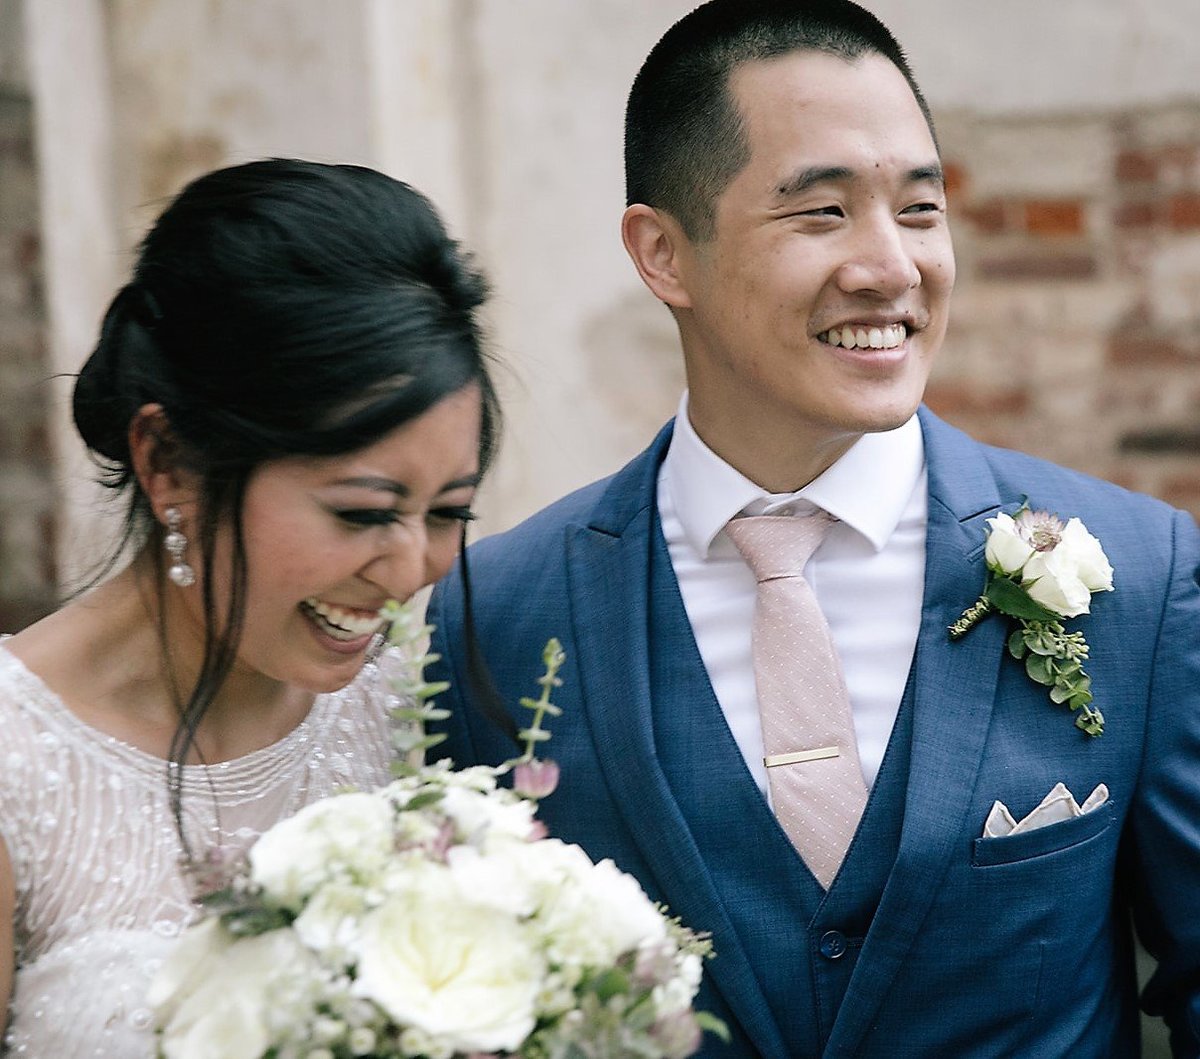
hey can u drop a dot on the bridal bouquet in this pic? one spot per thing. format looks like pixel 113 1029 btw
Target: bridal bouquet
pixel 431 919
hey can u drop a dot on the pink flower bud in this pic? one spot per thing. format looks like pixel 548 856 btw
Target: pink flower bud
pixel 677 1034
pixel 535 779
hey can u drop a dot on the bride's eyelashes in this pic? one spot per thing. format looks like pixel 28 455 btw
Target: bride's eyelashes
pixel 453 514
pixel 382 516
pixel 386 516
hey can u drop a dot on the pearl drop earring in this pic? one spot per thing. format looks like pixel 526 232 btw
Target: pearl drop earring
pixel 176 544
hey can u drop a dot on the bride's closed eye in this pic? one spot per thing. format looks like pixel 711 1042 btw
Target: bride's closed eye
pixel 382 516
pixel 365 517
pixel 453 514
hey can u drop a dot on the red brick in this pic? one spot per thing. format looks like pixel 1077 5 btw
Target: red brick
pixel 1136 167
pixel 1122 476
pixel 1039 266
pixel 1054 217
pixel 1179 158
pixel 1144 214
pixel 1146 349
pixel 958 399
pixel 989 218
pixel 1182 491
pixel 1184 211
pixel 1183 482
pixel 956 179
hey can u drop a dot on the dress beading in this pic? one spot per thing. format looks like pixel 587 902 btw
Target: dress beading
pixel 100 888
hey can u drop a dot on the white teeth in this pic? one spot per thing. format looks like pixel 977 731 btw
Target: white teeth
pixel 888 337
pixel 339 623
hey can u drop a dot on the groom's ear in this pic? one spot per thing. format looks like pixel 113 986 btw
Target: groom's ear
pixel 659 249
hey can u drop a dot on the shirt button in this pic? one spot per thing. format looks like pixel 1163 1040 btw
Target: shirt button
pixel 832 944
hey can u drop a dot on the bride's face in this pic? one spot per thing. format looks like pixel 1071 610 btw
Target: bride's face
pixel 329 540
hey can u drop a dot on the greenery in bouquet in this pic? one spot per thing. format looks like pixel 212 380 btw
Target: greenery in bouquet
pixel 432 919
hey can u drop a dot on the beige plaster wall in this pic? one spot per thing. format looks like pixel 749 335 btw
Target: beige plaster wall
pixel 508 113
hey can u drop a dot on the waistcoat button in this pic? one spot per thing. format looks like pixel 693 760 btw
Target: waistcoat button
pixel 832 944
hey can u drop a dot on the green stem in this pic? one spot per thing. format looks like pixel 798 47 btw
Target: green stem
pixel 970 617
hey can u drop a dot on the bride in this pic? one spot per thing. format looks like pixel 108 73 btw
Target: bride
pixel 292 397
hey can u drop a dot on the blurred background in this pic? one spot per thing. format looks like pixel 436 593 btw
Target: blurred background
pixel 1070 132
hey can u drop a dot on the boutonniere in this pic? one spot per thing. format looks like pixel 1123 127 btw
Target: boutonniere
pixel 1040 571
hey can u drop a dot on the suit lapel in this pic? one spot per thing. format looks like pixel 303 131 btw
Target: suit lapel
pixel 609 567
pixel 955 687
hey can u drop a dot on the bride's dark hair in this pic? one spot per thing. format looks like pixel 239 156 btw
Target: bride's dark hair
pixel 278 308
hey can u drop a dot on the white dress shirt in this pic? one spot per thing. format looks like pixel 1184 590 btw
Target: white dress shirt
pixel 868 574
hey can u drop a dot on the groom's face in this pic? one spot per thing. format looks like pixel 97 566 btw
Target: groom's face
pixel 818 305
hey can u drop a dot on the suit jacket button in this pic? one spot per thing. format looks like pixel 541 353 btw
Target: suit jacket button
pixel 832 944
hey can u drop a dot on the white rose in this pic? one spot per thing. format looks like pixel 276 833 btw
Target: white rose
pixel 1007 552
pixel 1063 579
pixel 589 913
pixel 1091 564
pixel 330 918
pixel 476 777
pixel 448 967
pixel 347 833
pixel 191 960
pixel 234 1031
pixel 227 1012
pixel 485 817
pixel 498 879
pixel 1052 580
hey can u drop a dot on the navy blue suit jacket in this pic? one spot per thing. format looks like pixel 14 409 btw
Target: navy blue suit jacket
pixel 977 947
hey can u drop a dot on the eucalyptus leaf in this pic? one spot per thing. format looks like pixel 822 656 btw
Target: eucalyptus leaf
pixel 1038 668
pixel 1016 644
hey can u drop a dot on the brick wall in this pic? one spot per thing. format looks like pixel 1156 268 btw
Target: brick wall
pixel 1076 328
pixel 27 496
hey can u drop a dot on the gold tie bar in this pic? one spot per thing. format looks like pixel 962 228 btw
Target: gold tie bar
pixel 771 760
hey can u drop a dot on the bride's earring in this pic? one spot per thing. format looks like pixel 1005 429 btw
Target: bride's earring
pixel 176 544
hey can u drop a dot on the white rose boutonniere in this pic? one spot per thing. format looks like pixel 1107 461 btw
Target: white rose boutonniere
pixel 1041 570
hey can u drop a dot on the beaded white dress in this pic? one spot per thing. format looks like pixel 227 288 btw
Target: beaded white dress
pixel 100 889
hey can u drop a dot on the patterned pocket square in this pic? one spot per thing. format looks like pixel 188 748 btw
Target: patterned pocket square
pixel 1057 806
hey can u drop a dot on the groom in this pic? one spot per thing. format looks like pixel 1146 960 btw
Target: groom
pixel 806 766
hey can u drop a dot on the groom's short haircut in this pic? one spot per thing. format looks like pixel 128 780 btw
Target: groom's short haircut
pixel 684 137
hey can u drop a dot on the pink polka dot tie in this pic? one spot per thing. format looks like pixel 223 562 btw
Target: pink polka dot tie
pixel 811 752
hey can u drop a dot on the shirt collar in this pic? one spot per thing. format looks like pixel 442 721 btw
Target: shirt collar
pixel 868 488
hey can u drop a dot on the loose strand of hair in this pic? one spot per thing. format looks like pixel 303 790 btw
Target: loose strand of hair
pixel 221 641
pixel 479 676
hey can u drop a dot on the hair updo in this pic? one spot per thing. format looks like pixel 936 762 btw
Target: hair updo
pixel 279 308
pixel 285 308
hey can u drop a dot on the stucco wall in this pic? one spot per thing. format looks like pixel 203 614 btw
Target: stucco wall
pixel 508 113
